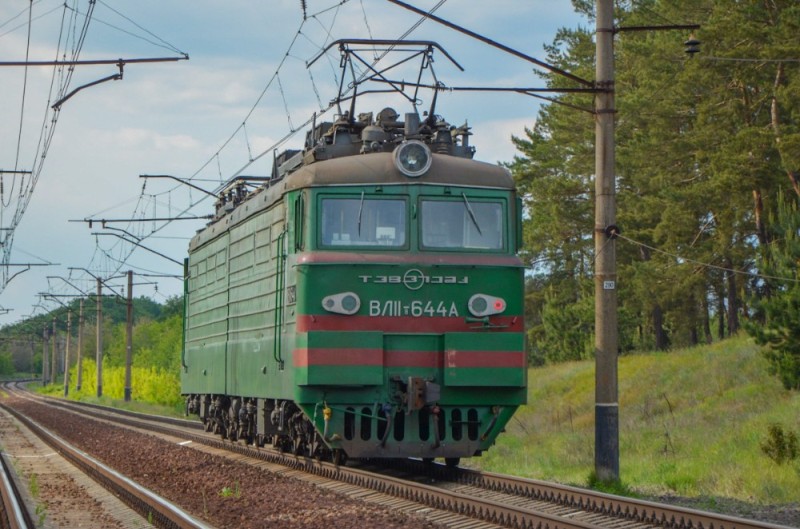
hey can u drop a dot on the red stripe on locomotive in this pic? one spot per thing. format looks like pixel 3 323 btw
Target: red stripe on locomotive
pixel 403 324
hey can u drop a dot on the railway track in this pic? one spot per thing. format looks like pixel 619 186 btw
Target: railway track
pixel 156 510
pixel 13 514
pixel 456 497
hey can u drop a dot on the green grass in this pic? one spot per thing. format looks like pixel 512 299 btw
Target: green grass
pixel 691 423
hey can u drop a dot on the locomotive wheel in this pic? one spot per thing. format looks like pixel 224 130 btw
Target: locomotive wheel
pixel 452 462
pixel 339 457
pixel 297 449
pixel 318 448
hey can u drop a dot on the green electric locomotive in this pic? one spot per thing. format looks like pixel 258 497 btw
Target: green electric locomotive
pixel 366 301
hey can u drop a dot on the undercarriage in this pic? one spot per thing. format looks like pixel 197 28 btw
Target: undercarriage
pixel 259 422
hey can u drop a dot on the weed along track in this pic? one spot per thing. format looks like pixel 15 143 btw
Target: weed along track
pixel 220 481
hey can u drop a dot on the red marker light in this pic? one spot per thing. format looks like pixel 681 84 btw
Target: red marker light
pixel 482 305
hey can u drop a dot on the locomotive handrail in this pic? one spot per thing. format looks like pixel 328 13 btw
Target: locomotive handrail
pixel 279 287
pixel 185 311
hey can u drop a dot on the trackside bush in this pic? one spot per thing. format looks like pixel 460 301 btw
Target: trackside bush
pixel 150 384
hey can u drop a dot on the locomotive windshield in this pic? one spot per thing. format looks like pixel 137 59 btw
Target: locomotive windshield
pixel 363 222
pixel 462 223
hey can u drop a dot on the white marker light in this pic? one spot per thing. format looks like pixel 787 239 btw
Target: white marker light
pixel 343 303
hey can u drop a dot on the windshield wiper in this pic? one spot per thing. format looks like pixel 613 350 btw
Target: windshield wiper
pixel 360 211
pixel 471 214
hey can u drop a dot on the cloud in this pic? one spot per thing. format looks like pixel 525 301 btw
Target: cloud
pixel 493 138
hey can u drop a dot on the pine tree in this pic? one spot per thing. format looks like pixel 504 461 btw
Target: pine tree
pixel 780 332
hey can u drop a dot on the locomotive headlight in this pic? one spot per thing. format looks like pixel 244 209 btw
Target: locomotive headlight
pixel 413 158
pixel 482 305
pixel 343 303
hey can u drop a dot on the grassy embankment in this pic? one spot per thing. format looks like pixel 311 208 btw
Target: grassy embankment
pixel 691 424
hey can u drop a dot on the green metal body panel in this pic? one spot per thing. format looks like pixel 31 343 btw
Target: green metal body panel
pixel 231 331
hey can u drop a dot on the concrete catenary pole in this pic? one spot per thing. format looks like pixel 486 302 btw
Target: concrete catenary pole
pixel 45 364
pixel 53 360
pixel 66 354
pixel 79 369
pixel 99 355
pixel 129 338
pixel 605 278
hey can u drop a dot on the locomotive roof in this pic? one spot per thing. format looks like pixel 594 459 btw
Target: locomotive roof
pixel 366 169
pixel 378 168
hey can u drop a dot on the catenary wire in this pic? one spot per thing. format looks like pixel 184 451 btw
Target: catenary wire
pixel 707 265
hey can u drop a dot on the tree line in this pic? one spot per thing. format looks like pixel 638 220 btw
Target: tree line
pixel 708 175
pixel 156 335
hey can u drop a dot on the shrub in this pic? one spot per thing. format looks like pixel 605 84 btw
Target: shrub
pixel 781 445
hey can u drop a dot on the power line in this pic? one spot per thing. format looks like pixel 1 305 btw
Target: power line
pixel 22 108
pixel 164 43
pixel 744 59
pixel 707 265
pixel 12 30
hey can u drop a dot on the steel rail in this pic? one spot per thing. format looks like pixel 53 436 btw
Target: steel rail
pixel 641 511
pixel 13 512
pixel 157 510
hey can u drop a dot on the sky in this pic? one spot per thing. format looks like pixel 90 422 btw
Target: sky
pixel 244 88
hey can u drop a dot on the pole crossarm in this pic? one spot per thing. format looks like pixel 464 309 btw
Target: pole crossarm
pixel 94 62
pixel 29 264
